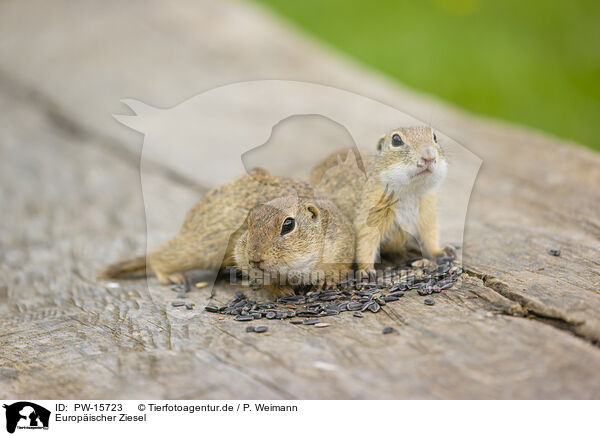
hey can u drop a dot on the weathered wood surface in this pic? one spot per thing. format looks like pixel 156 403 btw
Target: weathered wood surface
pixel 71 201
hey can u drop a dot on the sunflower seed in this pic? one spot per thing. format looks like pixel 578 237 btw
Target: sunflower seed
pixel 445 285
pixel 354 306
pixel 311 321
pixel 426 277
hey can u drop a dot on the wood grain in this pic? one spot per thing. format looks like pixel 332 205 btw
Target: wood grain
pixel 520 324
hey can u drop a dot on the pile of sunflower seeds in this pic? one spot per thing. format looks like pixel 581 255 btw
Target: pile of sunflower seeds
pixel 420 275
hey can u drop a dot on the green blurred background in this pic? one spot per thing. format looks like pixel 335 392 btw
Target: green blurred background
pixel 533 62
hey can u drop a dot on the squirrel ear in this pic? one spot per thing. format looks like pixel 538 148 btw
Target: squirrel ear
pixel 380 143
pixel 314 211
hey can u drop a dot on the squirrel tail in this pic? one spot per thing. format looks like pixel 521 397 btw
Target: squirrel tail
pixel 125 269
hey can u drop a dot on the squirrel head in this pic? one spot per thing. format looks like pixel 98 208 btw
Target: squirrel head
pixel 285 236
pixel 410 158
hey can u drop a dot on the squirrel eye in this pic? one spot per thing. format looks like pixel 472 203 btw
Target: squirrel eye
pixel 288 226
pixel 397 140
pixel 434 138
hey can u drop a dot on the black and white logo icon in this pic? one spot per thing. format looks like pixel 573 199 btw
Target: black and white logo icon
pixel 26 415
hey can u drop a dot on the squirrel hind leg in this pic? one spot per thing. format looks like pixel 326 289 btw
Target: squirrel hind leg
pixel 167 279
pixel 178 279
pixel 171 278
pixel 162 278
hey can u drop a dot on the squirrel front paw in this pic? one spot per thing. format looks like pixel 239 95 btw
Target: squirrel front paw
pixel 367 272
pixel 447 251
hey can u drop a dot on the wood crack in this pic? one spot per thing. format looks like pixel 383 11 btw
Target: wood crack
pixel 57 117
pixel 536 310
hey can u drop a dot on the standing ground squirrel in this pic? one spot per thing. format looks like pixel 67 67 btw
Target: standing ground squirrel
pixel 213 226
pixel 396 196
pixel 296 241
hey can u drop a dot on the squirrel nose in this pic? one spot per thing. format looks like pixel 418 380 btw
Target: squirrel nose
pixel 426 161
pixel 427 157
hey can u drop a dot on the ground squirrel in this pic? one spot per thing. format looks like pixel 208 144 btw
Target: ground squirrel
pixel 296 241
pixel 212 227
pixel 394 197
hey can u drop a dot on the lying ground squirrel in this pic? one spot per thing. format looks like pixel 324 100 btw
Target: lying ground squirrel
pixel 212 228
pixel 396 196
pixel 296 241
